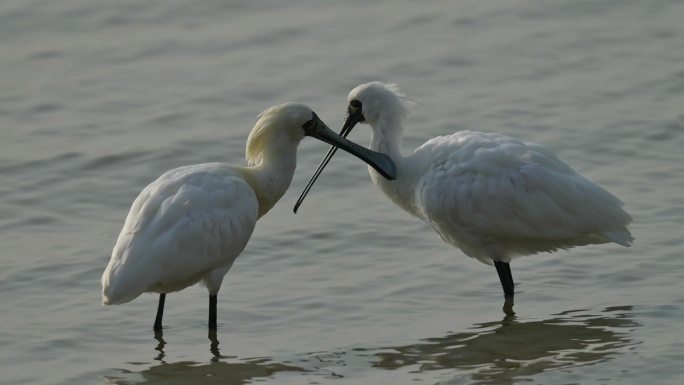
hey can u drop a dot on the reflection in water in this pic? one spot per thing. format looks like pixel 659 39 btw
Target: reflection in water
pixel 218 372
pixel 213 346
pixel 190 372
pixel 159 336
pixel 498 352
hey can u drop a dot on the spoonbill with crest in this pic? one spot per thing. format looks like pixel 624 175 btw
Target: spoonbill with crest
pixel 191 223
pixel 492 196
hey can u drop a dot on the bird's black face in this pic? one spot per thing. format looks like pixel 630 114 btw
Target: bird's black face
pixel 312 125
pixel 354 116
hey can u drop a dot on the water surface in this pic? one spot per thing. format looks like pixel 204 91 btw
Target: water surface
pixel 97 99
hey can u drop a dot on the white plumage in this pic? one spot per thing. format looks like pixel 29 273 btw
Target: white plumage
pixel 188 225
pixel 495 197
pixel 490 195
pixel 191 223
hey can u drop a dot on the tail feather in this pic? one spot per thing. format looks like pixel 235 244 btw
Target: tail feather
pixel 120 287
pixel 621 237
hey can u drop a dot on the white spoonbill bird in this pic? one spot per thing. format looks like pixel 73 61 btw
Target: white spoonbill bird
pixel 191 223
pixel 492 196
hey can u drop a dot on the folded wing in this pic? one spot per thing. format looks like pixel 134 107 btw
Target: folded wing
pixel 492 195
pixel 185 224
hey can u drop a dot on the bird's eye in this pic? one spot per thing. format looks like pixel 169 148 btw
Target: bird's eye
pixel 308 125
pixel 355 105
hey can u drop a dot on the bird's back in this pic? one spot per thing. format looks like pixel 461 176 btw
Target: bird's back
pixel 490 194
pixel 189 221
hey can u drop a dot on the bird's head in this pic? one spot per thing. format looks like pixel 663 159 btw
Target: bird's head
pixel 373 102
pixel 279 125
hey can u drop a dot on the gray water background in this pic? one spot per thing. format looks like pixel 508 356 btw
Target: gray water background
pixel 98 98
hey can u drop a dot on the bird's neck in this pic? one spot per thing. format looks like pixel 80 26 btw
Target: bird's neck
pixel 271 178
pixel 386 139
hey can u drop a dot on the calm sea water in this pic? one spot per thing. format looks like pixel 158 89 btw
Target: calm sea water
pixel 99 98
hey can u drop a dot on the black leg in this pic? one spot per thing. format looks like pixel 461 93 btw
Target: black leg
pixel 212 312
pixel 505 276
pixel 160 312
